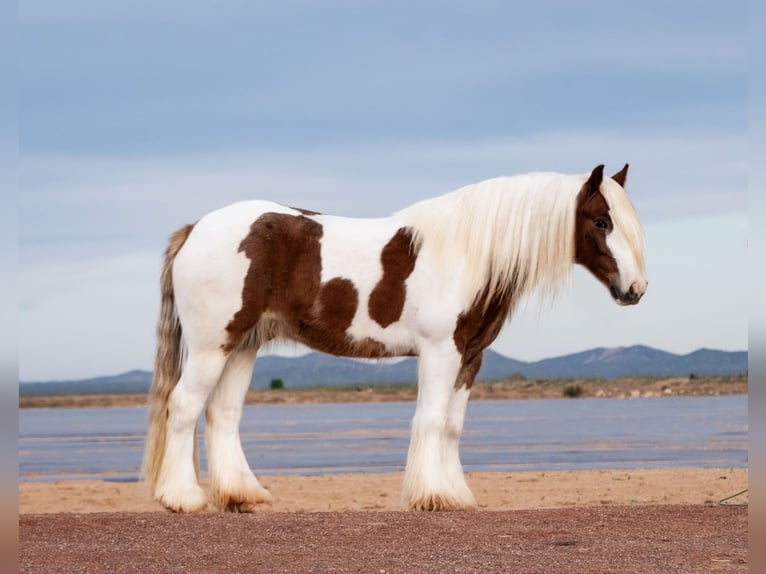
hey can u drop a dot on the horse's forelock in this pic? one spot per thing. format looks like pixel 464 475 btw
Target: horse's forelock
pixel 624 217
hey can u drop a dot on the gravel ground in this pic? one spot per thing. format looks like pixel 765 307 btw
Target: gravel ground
pixel 611 539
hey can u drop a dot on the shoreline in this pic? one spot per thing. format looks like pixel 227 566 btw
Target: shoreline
pixel 621 388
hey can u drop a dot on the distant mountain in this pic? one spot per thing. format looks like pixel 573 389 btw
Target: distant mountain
pixel 320 369
pixel 639 360
pixel 126 383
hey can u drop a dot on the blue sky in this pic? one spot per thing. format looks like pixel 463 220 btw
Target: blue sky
pixel 138 117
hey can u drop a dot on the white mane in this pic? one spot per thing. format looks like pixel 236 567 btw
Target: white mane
pixel 510 229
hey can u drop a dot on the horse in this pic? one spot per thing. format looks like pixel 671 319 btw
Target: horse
pixel 437 280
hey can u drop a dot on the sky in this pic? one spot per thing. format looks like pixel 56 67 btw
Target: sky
pixel 138 117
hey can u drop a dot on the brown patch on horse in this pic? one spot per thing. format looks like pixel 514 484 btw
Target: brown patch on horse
pixel 477 327
pixel 592 224
pixel 336 304
pixel 398 257
pixel 468 371
pixel 284 280
pixel 284 252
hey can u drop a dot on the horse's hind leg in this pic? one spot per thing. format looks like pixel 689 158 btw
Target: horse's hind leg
pixel 178 488
pixel 234 486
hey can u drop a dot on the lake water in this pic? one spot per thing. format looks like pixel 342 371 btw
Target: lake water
pixel 547 434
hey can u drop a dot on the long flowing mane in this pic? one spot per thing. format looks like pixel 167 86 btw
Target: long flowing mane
pixel 512 230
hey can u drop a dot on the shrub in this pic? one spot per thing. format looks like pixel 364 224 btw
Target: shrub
pixel 277 384
pixel 572 390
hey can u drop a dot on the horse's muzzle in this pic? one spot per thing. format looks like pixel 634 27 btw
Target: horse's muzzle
pixel 630 297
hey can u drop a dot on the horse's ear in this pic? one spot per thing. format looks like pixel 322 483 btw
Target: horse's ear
pixel 621 176
pixel 594 181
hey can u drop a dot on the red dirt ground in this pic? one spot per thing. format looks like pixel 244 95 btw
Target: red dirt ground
pixel 586 540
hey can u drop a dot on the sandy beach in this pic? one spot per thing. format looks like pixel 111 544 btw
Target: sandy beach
pixel 380 492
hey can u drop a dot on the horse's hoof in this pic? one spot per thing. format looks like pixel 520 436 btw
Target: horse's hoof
pixel 185 509
pixel 199 510
pixel 439 503
pixel 256 499
pixel 249 506
pixel 191 502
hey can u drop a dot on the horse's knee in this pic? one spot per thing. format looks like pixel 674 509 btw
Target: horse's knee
pixel 429 419
pixel 453 429
pixel 224 416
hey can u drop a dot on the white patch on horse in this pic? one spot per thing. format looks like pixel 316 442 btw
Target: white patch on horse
pixel 351 249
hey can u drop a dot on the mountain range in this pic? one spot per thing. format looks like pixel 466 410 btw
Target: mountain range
pixel 319 369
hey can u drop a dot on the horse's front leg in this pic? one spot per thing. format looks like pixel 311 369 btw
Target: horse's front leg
pixel 429 482
pixel 454 428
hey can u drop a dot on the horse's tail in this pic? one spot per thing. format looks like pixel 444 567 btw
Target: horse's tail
pixel 167 365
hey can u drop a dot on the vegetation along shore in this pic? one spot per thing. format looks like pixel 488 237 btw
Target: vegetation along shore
pixel 516 388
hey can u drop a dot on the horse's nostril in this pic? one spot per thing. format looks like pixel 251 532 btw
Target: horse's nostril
pixel 635 292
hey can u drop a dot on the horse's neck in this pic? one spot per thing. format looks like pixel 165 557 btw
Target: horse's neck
pixel 513 233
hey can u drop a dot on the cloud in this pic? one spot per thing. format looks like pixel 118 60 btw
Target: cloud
pixel 88 318
pixel 235 75
pixel 94 205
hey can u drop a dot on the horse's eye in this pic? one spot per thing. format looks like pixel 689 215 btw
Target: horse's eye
pixel 602 223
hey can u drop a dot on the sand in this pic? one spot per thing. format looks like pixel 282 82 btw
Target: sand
pixel 380 492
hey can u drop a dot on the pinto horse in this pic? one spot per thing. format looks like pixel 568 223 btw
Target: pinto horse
pixel 438 280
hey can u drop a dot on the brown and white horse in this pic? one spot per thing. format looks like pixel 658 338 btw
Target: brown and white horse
pixel 438 280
